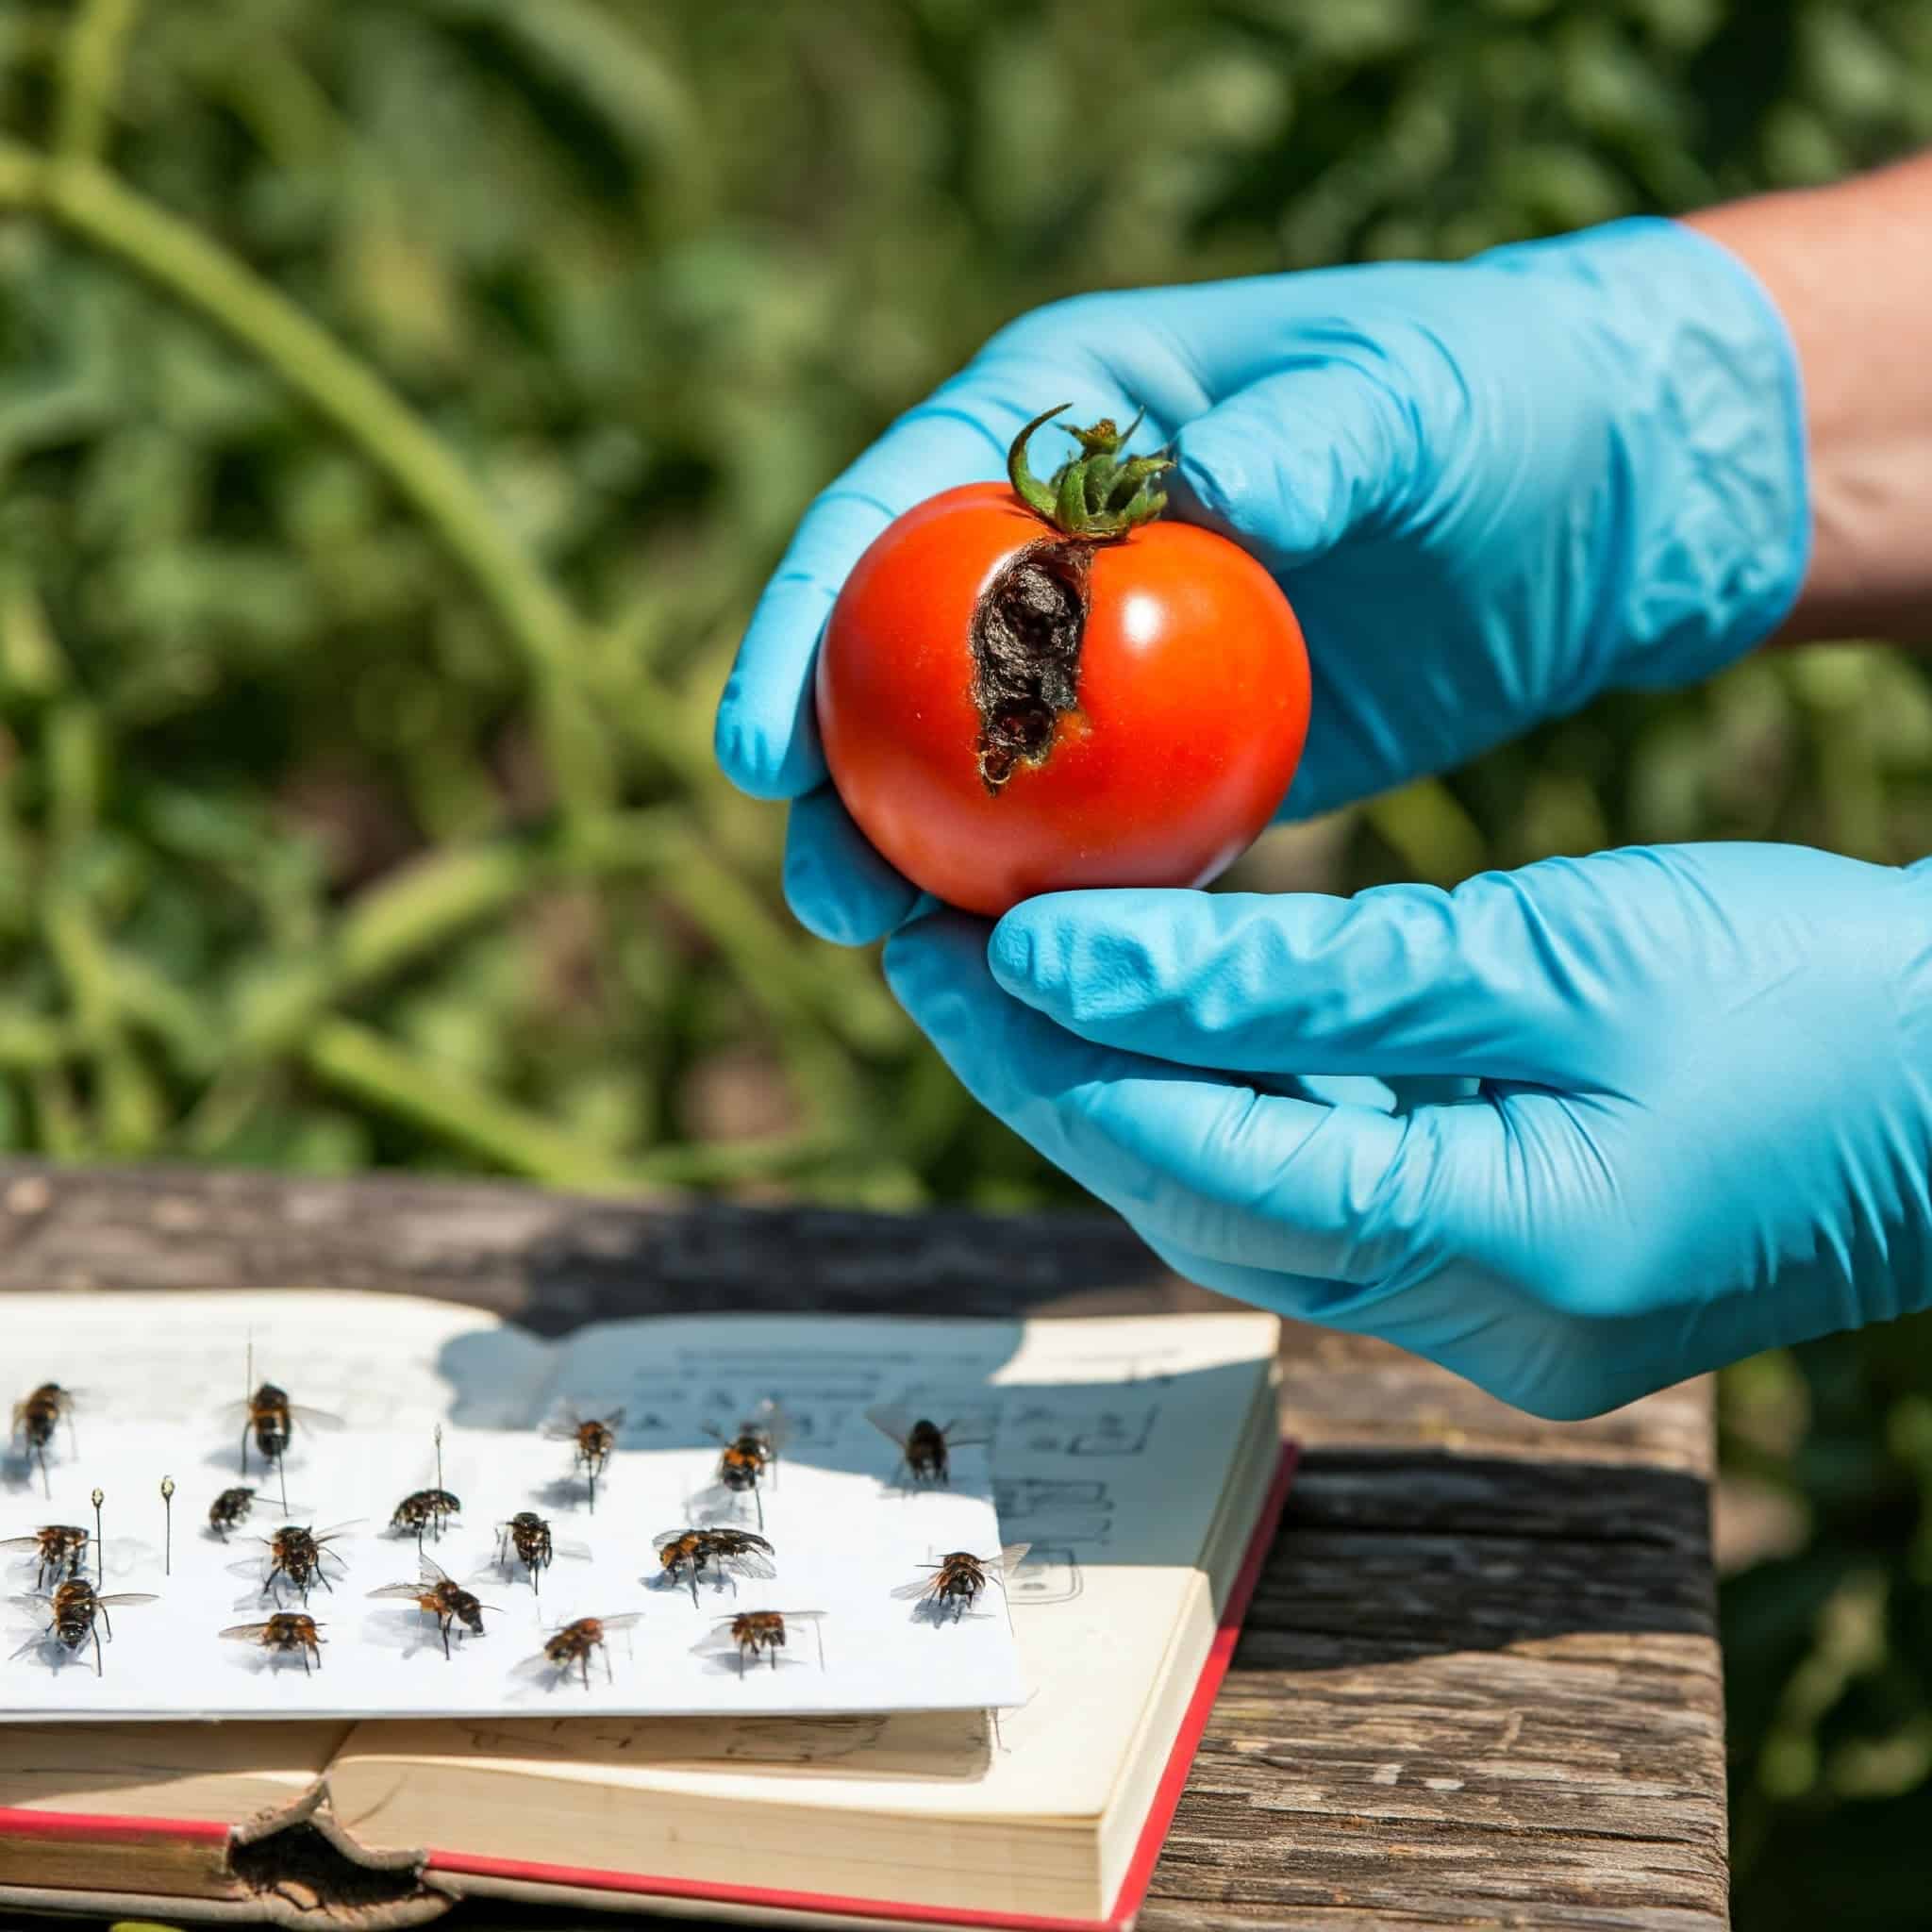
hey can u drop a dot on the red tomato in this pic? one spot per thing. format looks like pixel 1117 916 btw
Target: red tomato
pixel 1191 703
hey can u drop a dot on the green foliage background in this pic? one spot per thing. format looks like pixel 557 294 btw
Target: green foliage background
pixel 401 402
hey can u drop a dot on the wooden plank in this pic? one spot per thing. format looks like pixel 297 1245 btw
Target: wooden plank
pixel 1479 1685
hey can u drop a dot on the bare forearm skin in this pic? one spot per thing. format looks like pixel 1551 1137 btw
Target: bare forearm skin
pixel 1851 269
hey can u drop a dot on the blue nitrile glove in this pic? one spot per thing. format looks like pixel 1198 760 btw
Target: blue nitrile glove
pixel 1698 1119
pixel 1491 490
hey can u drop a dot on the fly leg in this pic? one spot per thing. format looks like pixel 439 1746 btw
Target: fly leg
pixel 245 1427
pixel 444 1623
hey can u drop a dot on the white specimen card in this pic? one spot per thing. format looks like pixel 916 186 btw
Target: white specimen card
pixel 157 1378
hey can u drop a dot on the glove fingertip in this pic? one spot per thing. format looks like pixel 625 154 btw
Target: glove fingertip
pixel 836 884
pixel 1010 953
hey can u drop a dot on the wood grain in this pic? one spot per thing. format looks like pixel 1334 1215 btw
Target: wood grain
pixel 1479 1685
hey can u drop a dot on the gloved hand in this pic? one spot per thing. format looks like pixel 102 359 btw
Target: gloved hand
pixel 1690 1111
pixel 1492 490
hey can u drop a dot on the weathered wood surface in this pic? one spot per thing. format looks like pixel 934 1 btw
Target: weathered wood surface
pixel 1479 1685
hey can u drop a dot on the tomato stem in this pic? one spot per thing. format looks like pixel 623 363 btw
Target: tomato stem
pixel 1094 495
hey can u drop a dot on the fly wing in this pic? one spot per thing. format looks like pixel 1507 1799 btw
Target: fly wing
pixel 803 1616
pixel 716 1642
pixel 323 1419
pixel 580 1552
pixel 129 1596
pixel 20 1542
pixel 37 1599
pixel 399 1591
pixel 752 1563
pixel 771 1422
pixel 336 1529
pixel 563 1426
pixel 246 1633
pixel 892 1421
pixel 623 1621
pixel 613 1421
pixel 967 1435
pixel 924 1586
pixel 433 1572
pixel 664 1541
pixel 1011 1555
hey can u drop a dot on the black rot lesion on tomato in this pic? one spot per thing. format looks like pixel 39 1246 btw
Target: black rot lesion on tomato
pixel 1030 619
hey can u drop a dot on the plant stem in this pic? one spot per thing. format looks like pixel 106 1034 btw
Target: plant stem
pixel 85 199
pixel 402 1082
pixel 91 75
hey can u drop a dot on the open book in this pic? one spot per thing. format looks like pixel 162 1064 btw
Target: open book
pixel 1139 1456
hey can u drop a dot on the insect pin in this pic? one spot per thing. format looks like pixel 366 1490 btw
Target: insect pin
pixel 728 1553
pixel 59 1549
pixel 287 1633
pixel 956 1579
pixel 753 1634
pixel 300 1556
pixel 438 1594
pixel 268 1419
pixel 592 1440
pixel 925 1448
pixel 748 1457
pixel 526 1538
pixel 570 1647
pixel 76 1611
pixel 37 1416
pixel 229 1510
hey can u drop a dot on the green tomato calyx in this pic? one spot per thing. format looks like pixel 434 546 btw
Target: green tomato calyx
pixel 1098 494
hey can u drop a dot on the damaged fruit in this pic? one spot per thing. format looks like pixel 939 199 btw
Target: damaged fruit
pixel 1035 686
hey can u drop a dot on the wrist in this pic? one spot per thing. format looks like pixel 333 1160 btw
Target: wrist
pixel 1848 269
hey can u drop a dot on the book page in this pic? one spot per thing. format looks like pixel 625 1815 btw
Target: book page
pixel 1114 1442
pixel 851 1568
